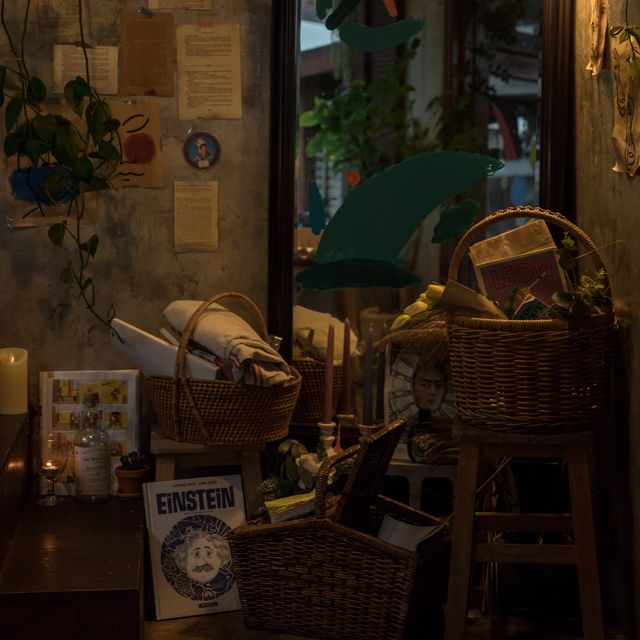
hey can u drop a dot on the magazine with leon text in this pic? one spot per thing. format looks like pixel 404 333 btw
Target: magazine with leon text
pixel 189 522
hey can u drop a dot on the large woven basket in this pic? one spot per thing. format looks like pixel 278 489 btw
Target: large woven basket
pixel 328 576
pixel 531 376
pixel 308 409
pixel 218 412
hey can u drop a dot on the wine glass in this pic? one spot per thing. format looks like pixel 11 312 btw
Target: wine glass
pixel 54 462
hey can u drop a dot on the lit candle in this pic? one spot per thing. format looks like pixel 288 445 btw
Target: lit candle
pixel 381 374
pixel 327 412
pixel 13 381
pixel 367 391
pixel 345 396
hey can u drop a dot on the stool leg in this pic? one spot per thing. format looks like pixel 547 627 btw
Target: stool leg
pixel 165 467
pixel 583 530
pixel 464 514
pixel 251 478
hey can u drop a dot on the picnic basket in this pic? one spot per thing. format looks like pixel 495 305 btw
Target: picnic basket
pixel 310 402
pixel 328 576
pixel 220 412
pixel 531 376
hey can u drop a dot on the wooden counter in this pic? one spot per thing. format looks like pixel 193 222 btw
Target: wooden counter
pixel 75 571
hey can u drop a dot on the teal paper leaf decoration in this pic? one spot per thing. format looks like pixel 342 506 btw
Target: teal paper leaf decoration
pixel 322 8
pixel 355 273
pixel 341 13
pixel 364 38
pixel 317 215
pixel 456 220
pixel 378 217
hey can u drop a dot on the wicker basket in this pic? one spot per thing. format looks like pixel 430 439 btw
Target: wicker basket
pixel 328 576
pixel 531 376
pixel 308 409
pixel 218 412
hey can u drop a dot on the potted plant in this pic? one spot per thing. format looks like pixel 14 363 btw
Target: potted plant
pixel 131 473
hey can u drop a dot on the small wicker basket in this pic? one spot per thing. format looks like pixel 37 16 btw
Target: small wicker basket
pixel 218 412
pixel 308 409
pixel 531 376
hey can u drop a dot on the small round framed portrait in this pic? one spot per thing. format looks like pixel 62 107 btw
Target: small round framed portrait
pixel 201 150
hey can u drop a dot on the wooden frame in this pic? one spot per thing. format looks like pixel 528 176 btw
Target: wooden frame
pixel 557 180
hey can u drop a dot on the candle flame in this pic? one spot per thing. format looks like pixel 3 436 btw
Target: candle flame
pixel 12 358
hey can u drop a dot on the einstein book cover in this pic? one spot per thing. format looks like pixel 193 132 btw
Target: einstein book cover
pixel 189 522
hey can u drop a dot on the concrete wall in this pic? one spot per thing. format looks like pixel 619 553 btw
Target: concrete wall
pixel 607 208
pixel 136 267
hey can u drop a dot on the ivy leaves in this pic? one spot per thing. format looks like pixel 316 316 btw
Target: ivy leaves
pixel 628 33
pixel 88 150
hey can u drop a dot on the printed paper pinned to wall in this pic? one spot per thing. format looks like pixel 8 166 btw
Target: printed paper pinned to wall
pixel 196 216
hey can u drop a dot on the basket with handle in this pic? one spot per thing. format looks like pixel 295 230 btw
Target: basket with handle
pixel 220 412
pixel 310 403
pixel 531 376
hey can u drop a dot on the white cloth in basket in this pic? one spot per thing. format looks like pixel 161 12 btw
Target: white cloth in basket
pixel 249 358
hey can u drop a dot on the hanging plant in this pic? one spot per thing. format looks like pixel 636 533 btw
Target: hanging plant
pixel 629 33
pixel 59 160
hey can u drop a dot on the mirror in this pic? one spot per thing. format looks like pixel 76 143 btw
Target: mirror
pixel 554 149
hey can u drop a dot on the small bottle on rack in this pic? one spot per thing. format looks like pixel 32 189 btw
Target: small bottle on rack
pixel 92 452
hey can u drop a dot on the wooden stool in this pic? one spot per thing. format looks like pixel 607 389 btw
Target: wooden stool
pixel 169 452
pixel 476 443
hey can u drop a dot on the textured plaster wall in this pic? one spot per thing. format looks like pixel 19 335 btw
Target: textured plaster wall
pixel 136 267
pixel 607 208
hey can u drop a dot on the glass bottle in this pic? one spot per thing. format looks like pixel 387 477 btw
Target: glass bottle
pixel 92 452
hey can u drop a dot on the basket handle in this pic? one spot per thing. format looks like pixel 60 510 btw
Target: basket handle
pixel 522 212
pixel 322 479
pixel 179 376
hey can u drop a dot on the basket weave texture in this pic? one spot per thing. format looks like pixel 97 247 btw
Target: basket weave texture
pixel 219 412
pixel 310 402
pixel 531 376
pixel 327 575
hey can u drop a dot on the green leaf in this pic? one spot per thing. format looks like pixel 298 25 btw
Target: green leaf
pixel 3 80
pixel 614 31
pixel 56 185
pixel 44 127
pixel 108 151
pixel 624 36
pixel 454 221
pixel 14 108
pixel 11 144
pixel 66 144
pixel 97 115
pixel 309 119
pixel 87 283
pixel 82 169
pixel 34 149
pixel 36 90
pixel 66 275
pixel 91 245
pixel 98 183
pixel 634 67
pixel 56 233
pixel 112 124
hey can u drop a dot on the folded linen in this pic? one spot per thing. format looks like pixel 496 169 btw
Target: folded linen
pixel 227 335
pixel 310 329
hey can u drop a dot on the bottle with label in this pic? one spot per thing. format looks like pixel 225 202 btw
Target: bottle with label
pixel 92 452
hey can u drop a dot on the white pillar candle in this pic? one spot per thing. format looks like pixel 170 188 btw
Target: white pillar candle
pixel 13 381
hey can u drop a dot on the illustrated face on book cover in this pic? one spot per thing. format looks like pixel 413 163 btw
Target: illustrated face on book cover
pixel 202 555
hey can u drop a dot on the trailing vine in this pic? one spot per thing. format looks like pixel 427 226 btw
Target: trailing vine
pixel 66 159
pixel 629 33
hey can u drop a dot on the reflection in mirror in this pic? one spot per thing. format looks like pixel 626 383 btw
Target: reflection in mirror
pixel 468 81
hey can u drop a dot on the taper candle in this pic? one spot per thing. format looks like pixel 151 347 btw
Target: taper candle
pixel 327 411
pixel 345 394
pixel 13 381
pixel 367 390
pixel 382 362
